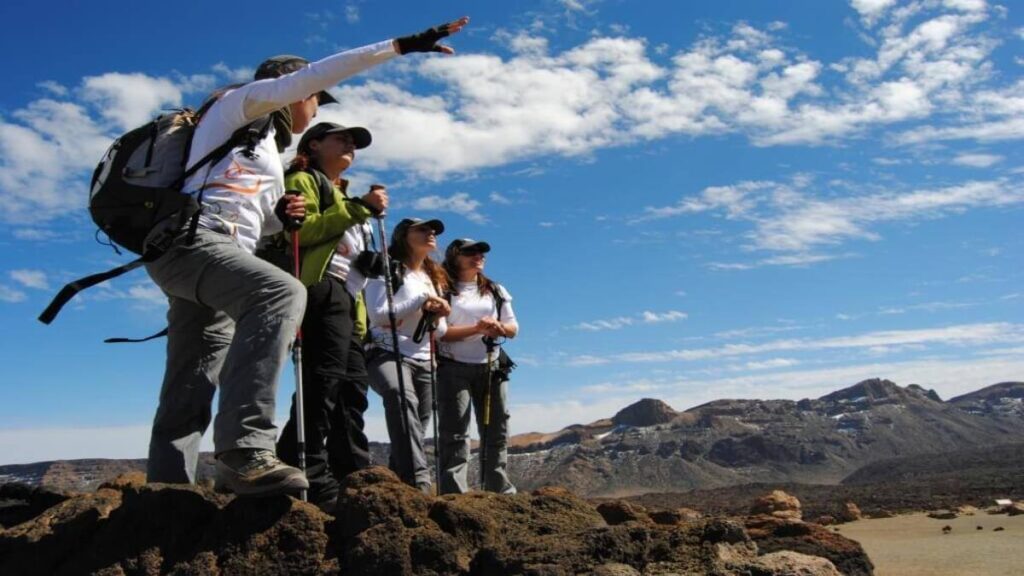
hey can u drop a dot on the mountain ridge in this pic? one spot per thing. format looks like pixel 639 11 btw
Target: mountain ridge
pixel 649 447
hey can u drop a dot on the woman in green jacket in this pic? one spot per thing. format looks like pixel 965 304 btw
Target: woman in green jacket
pixel 334 375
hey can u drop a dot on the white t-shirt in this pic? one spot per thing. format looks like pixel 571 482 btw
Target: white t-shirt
pixel 352 242
pixel 409 299
pixel 240 192
pixel 468 306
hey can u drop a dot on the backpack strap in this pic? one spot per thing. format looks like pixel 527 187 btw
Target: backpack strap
pixel 499 300
pixel 324 187
pixel 159 334
pixel 68 291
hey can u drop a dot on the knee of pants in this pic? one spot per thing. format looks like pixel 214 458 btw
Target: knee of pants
pixel 295 293
pixel 283 294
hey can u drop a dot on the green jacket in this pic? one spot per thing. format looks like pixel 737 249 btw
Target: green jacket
pixel 322 231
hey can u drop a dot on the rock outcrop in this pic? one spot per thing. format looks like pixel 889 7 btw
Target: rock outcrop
pixel 646 412
pixel 128 527
pixel 778 504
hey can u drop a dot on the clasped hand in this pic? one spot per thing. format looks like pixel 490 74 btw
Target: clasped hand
pixel 490 327
pixel 437 306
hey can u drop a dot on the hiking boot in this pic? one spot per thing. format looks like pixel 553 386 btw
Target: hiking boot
pixel 257 472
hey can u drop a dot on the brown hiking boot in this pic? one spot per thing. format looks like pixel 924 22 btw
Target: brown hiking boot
pixel 257 472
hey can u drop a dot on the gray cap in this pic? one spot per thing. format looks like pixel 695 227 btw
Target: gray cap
pixel 465 246
pixel 360 136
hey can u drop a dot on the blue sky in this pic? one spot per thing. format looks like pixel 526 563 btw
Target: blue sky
pixel 687 200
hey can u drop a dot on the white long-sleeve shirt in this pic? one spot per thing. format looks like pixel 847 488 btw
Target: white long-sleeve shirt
pixel 240 193
pixel 468 307
pixel 409 299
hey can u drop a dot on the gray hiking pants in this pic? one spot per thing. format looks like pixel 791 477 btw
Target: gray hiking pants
pixel 458 385
pixel 232 317
pixel 412 469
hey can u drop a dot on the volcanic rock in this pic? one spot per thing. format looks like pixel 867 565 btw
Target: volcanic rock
pixel 849 513
pixel 646 412
pixel 778 504
pixel 387 528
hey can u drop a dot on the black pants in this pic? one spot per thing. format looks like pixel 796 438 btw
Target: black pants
pixel 334 392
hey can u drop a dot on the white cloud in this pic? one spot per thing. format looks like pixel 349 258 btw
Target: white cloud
pixel 609 324
pixel 54 88
pixel 242 74
pixel 48 129
pixel 498 198
pixel 130 100
pixel 31 279
pixel 659 317
pixel 645 317
pixel 351 13
pixel 459 203
pixel 34 234
pixel 771 364
pixel 871 10
pixel 930 76
pixel 977 160
pixel 8 294
pixel 143 294
pixel 959 335
pixel 791 221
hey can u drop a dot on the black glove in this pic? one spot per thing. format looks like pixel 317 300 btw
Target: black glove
pixel 291 224
pixel 424 41
pixel 369 264
pixel 373 211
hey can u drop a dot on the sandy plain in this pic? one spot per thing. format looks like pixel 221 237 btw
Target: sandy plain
pixel 915 545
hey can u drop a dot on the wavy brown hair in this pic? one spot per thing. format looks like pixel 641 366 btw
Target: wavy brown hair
pixel 399 250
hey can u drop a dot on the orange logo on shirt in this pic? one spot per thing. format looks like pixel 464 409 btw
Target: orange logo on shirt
pixel 238 172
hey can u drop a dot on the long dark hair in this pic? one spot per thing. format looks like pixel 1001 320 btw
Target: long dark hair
pixel 399 251
pixel 484 285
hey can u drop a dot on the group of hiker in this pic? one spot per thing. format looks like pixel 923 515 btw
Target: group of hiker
pixel 424 335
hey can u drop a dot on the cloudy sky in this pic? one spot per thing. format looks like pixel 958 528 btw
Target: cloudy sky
pixel 687 200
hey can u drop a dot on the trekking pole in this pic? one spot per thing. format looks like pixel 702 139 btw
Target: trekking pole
pixel 433 406
pixel 489 342
pixel 300 416
pixel 428 325
pixel 389 291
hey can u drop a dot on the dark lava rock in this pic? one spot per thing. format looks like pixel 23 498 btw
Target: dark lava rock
pixel 620 512
pixel 774 534
pixel 646 412
pixel 20 502
pixel 383 527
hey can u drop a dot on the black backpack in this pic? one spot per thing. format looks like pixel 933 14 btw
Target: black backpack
pixel 135 196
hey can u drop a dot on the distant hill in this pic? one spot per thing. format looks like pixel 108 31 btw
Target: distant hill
pixel 975 476
pixel 649 447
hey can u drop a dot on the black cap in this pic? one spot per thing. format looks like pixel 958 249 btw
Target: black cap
pixel 360 136
pixel 407 223
pixel 466 246
pixel 286 64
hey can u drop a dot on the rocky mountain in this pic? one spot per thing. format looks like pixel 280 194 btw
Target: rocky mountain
pixel 1004 400
pixel 648 447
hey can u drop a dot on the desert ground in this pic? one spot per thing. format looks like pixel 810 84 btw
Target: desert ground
pixel 915 545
